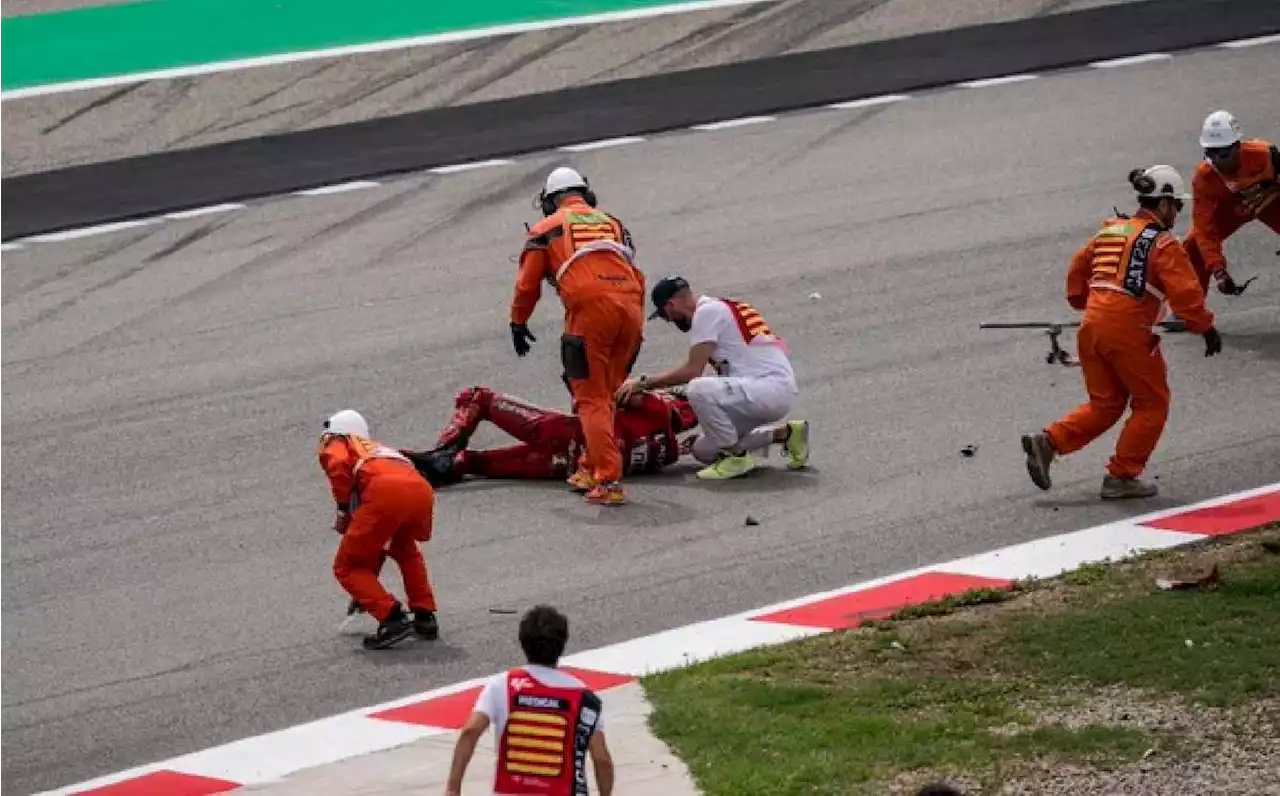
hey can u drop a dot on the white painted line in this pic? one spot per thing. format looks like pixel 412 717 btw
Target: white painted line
pixel 603 144
pixel 10 247
pixel 84 232
pixel 371 47
pixel 685 646
pixel 209 210
pixel 996 81
pixel 731 123
pixel 1274 38
pixel 288 751
pixel 342 187
pixel 479 164
pixel 867 102
pixel 1130 60
pixel 1049 558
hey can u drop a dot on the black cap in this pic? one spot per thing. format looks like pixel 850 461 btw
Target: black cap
pixel 663 291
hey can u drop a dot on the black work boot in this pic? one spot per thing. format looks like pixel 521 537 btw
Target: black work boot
pixel 395 629
pixel 425 624
pixel 437 466
pixel 1126 488
pixel 1040 455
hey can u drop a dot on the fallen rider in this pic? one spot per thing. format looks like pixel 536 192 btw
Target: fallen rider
pixel 550 441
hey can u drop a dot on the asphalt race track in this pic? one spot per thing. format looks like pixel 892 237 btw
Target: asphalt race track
pixel 163 115
pixel 167 543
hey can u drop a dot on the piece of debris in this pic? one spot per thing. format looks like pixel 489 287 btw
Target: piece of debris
pixel 968 450
pixel 752 520
pixel 896 645
pixel 502 610
pixel 1189 643
pixel 814 296
pixel 1207 581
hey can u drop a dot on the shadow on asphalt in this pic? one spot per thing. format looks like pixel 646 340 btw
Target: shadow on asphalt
pixel 1264 344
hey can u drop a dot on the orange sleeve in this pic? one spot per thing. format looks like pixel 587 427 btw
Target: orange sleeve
pixel 1078 276
pixel 1208 194
pixel 1181 287
pixel 338 463
pixel 533 268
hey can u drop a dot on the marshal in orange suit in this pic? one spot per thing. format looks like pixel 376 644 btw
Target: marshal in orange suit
pixel 1235 184
pixel 587 256
pixel 1122 278
pixel 384 509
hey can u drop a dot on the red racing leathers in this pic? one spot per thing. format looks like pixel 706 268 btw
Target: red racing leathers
pixel 551 441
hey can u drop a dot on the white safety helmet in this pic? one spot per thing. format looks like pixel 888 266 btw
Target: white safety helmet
pixel 562 178
pixel 1220 130
pixel 348 422
pixel 1159 182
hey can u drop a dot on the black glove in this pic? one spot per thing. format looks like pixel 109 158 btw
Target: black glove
pixel 1212 342
pixel 1227 286
pixel 520 335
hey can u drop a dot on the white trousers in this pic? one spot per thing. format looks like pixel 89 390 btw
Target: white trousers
pixel 733 411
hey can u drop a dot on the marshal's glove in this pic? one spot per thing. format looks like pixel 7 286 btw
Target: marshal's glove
pixel 520 338
pixel 1227 286
pixel 1212 342
pixel 341 520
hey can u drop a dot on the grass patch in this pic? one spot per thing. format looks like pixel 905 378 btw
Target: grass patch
pixel 1220 646
pixel 991 684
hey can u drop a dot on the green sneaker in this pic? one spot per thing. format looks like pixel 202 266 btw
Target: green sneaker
pixel 727 467
pixel 797 444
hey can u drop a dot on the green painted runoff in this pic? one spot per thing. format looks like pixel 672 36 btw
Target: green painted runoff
pixel 113 40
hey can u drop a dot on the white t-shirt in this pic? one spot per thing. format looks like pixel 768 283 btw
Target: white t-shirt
pixel 493 703
pixel 763 358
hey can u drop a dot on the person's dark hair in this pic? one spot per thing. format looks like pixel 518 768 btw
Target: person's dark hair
pixel 939 789
pixel 543 633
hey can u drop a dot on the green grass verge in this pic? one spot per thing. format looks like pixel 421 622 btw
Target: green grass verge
pixel 973 684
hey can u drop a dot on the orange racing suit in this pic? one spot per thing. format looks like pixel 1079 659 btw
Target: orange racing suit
pixel 1121 278
pixel 391 509
pixel 1224 203
pixel 586 255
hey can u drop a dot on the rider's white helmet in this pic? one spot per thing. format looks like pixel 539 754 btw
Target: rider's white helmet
pixel 1160 182
pixel 348 422
pixel 1220 130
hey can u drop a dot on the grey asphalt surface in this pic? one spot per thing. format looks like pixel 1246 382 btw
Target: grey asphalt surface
pixel 16 8
pixel 167 545
pixel 105 124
